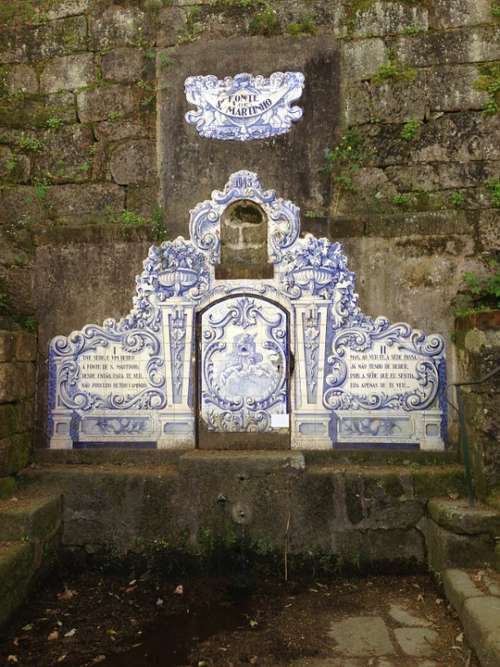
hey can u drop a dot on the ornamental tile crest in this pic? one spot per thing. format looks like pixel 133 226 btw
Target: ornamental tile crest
pixel 244 107
pixel 290 354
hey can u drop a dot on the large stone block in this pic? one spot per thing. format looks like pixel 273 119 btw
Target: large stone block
pixel 65 8
pixel 446 14
pixel 134 162
pixel 16 562
pixel 394 101
pixel 86 202
pixel 116 26
pixel 11 382
pixel 459 587
pixel 18 203
pixel 67 154
pixel 451 88
pixel 446 48
pixel 106 102
pixel 15 417
pixel 25 346
pixel 7 345
pixel 68 73
pixel 23 111
pixel 21 79
pixel 380 18
pixel 124 65
pixel 459 517
pixel 446 549
pixel 32 517
pixel 140 127
pixel 488 230
pixel 481 620
pixel 362 58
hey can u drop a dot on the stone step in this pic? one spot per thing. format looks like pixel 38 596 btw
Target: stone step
pixel 31 515
pixel 16 567
pixel 163 456
pixel 30 536
pixel 475 597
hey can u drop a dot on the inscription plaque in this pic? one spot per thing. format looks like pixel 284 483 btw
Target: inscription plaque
pixel 245 106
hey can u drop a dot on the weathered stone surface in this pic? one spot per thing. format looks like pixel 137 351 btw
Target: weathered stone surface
pixel 362 58
pixel 67 154
pixel 380 18
pixel 68 73
pixel 395 101
pixel 404 617
pixel 451 88
pixel 15 417
pixel 171 21
pixel 7 487
pixel 67 8
pixel 106 102
pixel 458 137
pixel 458 46
pixel 21 78
pixel 19 203
pixel 446 14
pixel 22 112
pixel 449 550
pixel 15 453
pixel 14 167
pixel 11 383
pixel 459 587
pixel 417 642
pixel 7 345
pixel 481 620
pixel 30 517
pixel 460 518
pixel 115 26
pixel 53 38
pixel 78 203
pixel 15 573
pixel 25 346
pixel 143 199
pixel 488 230
pixel 124 65
pixel 361 636
pixel 136 128
pixel 133 162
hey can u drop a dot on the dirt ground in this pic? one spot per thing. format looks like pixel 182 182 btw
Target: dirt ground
pixel 129 620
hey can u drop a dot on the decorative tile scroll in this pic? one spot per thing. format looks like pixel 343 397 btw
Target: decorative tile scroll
pixel 244 107
pixel 294 353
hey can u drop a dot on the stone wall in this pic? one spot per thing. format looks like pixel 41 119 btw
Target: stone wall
pixel 17 389
pixel 410 190
pixel 478 345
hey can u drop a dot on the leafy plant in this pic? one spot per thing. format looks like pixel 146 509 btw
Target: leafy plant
pixel 54 123
pixel 306 26
pixel 30 144
pixel 393 69
pixel 265 22
pixel 346 160
pixel 494 187
pixel 482 292
pixel 409 130
pixel 457 199
pixel 41 189
pixel 495 9
pixel 489 81
pixel 413 29
pixel 401 199
pixel 156 222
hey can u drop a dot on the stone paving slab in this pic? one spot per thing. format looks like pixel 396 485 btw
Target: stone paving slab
pixel 474 595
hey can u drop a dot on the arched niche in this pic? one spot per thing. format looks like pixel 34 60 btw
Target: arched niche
pixel 244 242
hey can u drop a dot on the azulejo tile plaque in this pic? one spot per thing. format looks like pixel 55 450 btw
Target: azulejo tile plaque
pixel 293 353
pixel 244 107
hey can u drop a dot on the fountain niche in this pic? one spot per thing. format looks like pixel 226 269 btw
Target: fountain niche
pixel 247 335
